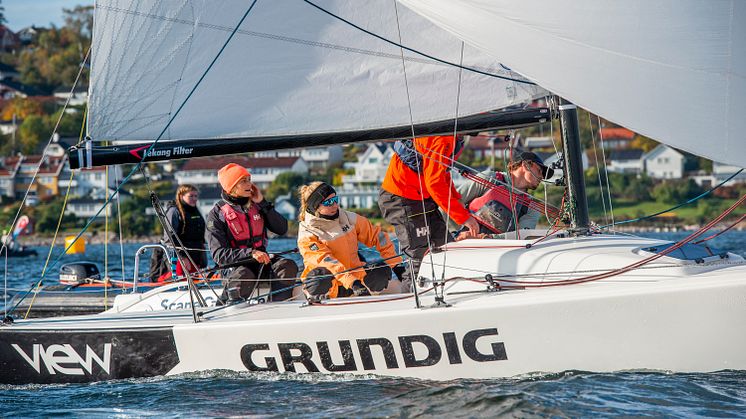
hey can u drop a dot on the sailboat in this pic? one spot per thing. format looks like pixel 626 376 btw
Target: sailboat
pixel 204 77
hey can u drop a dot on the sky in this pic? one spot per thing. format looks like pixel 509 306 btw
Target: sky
pixel 23 13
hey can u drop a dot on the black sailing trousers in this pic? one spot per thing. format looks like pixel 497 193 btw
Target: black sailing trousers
pixel 418 226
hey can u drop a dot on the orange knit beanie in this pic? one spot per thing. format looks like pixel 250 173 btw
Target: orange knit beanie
pixel 230 174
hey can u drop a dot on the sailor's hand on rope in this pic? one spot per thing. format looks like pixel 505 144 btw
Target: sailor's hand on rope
pixel 472 225
pixel 466 234
pixel 260 256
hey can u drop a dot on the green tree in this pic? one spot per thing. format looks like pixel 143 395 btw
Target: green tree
pixel 285 182
pixel 3 20
pixel 31 132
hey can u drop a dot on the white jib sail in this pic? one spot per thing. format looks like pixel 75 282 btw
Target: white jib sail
pixel 673 70
pixel 290 69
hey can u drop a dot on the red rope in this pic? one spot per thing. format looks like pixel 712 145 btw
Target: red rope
pixel 523 199
pixel 724 230
pixel 619 271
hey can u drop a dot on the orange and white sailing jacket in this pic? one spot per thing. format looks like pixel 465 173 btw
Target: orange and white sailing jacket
pixel 332 244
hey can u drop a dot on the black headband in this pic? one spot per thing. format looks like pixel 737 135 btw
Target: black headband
pixel 318 196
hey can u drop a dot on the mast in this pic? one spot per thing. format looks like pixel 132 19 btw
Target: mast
pixel 573 154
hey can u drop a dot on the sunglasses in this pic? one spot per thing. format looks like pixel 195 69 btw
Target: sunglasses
pixel 331 201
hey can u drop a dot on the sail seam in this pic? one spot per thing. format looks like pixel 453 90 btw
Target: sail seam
pixel 428 60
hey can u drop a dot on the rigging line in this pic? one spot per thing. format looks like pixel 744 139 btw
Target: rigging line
pixel 5 283
pixel 106 241
pixel 645 261
pixel 54 240
pixel 414 145
pixel 300 281
pixel 171 235
pixel 481 176
pixel 511 196
pixel 700 196
pixel 412 49
pixel 606 169
pixel 556 153
pixel 453 157
pixel 51 137
pixel 139 164
pixel 598 171
pixel 59 221
pixel 741 218
pixel 119 221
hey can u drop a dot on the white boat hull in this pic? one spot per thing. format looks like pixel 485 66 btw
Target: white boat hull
pixel 655 319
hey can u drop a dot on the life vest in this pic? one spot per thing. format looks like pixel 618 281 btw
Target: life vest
pixel 247 228
pixel 493 210
pixel 413 159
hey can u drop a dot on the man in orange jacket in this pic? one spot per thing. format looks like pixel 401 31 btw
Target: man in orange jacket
pixel 417 182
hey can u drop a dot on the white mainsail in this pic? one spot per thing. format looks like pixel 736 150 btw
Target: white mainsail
pixel 673 70
pixel 290 69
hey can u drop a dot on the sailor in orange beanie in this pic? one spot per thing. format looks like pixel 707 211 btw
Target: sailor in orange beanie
pixel 230 174
pixel 236 231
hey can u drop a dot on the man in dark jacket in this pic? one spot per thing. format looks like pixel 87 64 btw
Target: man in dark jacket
pixel 237 231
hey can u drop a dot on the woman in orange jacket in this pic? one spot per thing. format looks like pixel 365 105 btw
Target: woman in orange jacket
pixel 328 240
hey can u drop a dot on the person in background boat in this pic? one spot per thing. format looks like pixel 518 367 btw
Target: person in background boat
pixel 328 240
pixel 416 184
pixel 237 231
pixel 492 209
pixel 187 222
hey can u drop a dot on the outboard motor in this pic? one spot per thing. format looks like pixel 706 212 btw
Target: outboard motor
pixel 77 273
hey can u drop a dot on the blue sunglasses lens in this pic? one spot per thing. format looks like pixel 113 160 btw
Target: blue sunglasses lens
pixel 331 201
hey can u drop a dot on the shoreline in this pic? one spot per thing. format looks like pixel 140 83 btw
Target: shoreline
pixel 98 238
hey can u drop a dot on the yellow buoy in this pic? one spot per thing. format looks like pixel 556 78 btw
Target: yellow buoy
pixel 78 246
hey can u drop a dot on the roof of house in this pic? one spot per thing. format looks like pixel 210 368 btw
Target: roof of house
pixel 215 163
pixel 209 192
pixel 483 142
pixel 660 149
pixel 382 147
pixel 6 68
pixel 20 87
pixel 66 89
pixel 628 154
pixel 624 133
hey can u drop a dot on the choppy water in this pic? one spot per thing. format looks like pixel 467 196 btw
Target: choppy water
pixel 221 393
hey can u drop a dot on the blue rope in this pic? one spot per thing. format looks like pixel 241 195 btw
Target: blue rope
pixel 703 194
pixel 416 51
pixel 139 164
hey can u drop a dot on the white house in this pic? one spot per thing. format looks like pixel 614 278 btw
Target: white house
pixel 88 207
pixel 723 171
pixel 360 190
pixel 9 167
pixel 533 143
pixel 204 171
pixel 317 158
pixel 285 207
pixel 370 168
pixel 208 196
pixel 626 161
pixel 89 182
pixel 664 162
pixel 78 97
pixel 485 145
